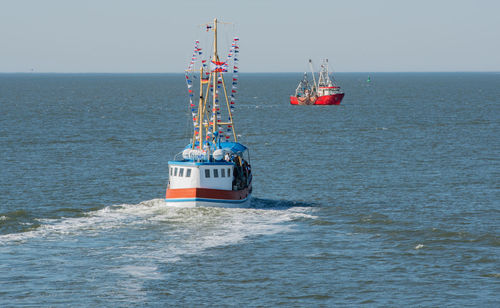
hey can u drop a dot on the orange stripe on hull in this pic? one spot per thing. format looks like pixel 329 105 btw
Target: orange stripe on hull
pixel 206 193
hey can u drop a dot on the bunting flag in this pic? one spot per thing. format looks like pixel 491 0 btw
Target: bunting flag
pixel 234 84
pixel 218 66
pixel 197 51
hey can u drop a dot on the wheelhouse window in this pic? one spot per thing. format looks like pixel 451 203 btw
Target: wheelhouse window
pixel 188 172
pixel 222 173
pixel 216 173
pixel 181 172
pixel 207 173
pixel 228 172
pixel 175 171
pixel 171 171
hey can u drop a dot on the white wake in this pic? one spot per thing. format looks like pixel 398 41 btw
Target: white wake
pixel 182 230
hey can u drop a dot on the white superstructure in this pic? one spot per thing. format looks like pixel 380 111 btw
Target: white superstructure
pixel 201 175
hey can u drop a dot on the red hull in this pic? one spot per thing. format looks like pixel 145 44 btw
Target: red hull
pixel 334 99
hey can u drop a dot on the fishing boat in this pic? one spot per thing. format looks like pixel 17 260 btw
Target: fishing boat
pixel 214 168
pixel 324 92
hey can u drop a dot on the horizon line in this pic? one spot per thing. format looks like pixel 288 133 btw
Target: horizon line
pixel 298 72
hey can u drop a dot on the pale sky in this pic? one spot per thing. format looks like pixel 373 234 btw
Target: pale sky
pixel 157 36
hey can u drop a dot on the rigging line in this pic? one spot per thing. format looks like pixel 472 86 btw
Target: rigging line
pixel 228 39
pixel 189 123
pixel 230 113
pixel 331 71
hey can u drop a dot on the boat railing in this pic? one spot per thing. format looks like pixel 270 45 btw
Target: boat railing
pixel 191 155
pixel 178 157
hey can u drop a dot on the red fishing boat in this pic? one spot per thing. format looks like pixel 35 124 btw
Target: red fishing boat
pixel 325 92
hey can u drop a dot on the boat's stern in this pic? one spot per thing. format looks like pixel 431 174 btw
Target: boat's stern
pixel 221 178
pixel 203 184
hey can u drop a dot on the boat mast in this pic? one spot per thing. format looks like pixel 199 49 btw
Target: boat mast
pixel 327 72
pixel 314 78
pixel 215 80
pixel 327 77
pixel 324 78
pixel 208 123
pixel 215 59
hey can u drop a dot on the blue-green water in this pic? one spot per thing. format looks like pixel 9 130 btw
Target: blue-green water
pixel 390 199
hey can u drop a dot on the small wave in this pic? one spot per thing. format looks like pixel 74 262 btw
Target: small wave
pixel 492 275
pixel 311 296
pixel 16 214
pixel 144 272
pixel 278 204
pixel 375 218
pixel 323 223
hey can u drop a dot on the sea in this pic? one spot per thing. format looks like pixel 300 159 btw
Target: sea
pixel 391 199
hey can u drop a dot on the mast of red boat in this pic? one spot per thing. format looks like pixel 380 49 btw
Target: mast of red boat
pixel 315 88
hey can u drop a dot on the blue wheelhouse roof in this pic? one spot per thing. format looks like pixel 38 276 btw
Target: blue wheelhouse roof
pixel 234 147
pixel 195 163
